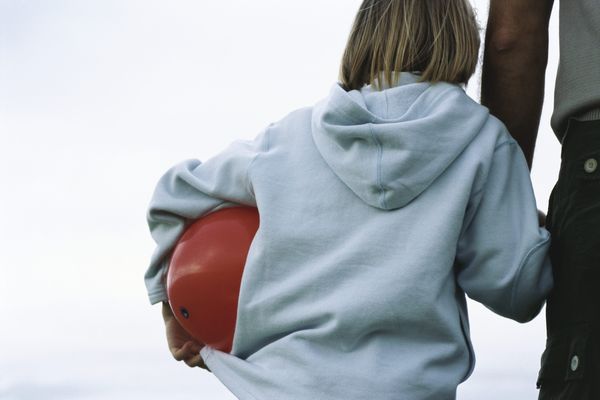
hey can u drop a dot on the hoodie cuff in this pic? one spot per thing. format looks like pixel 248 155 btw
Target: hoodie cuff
pixel 158 297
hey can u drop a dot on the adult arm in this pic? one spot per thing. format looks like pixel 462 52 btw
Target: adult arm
pixel 514 66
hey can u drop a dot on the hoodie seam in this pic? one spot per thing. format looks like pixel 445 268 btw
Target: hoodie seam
pixel 507 142
pixel 382 201
pixel 342 109
pixel 482 188
pixel 267 146
pixel 476 196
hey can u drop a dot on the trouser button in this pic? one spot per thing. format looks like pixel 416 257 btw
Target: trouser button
pixel 574 363
pixel 590 165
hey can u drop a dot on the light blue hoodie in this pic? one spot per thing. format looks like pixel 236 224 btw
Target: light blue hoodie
pixel 378 210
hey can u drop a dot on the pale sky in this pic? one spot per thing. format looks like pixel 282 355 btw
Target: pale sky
pixel 97 99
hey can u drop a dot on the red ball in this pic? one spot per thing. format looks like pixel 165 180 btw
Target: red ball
pixel 205 274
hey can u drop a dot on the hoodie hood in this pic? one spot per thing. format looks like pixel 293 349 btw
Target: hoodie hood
pixel 390 145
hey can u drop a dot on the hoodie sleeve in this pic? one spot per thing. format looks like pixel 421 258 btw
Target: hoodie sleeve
pixel 502 255
pixel 190 190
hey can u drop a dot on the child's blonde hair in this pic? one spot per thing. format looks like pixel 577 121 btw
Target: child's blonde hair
pixel 437 38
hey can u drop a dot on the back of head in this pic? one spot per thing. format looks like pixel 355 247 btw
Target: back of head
pixel 439 39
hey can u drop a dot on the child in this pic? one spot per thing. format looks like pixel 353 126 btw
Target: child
pixel 380 208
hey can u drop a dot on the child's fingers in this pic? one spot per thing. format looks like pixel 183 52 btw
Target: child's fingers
pixel 190 354
pixel 194 361
pixel 178 354
pixel 203 365
pixel 188 350
pixel 192 348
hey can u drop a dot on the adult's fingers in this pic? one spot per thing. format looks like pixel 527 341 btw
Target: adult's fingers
pixel 541 218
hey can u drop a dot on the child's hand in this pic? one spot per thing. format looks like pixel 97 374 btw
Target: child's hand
pixel 182 345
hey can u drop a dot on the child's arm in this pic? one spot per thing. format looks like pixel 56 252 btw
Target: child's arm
pixel 190 190
pixel 502 256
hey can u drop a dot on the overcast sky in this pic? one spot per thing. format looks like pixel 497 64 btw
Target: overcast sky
pixel 97 99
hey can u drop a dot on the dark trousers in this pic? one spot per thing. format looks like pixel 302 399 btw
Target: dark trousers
pixel 571 361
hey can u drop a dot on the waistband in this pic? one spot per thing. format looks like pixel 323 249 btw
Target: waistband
pixel 582 138
pixel 589 115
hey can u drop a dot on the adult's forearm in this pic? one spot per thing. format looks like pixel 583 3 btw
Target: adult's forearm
pixel 515 59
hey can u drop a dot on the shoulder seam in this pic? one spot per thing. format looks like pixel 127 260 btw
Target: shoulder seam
pixel 480 190
pixel 506 142
pixel 267 146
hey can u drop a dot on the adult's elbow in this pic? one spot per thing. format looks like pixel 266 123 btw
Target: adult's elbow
pixel 503 40
pixel 516 38
pixel 513 26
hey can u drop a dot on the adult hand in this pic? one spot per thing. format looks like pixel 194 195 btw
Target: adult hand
pixel 541 218
pixel 182 345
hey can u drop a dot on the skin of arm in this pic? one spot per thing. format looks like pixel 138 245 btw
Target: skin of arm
pixel 514 66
